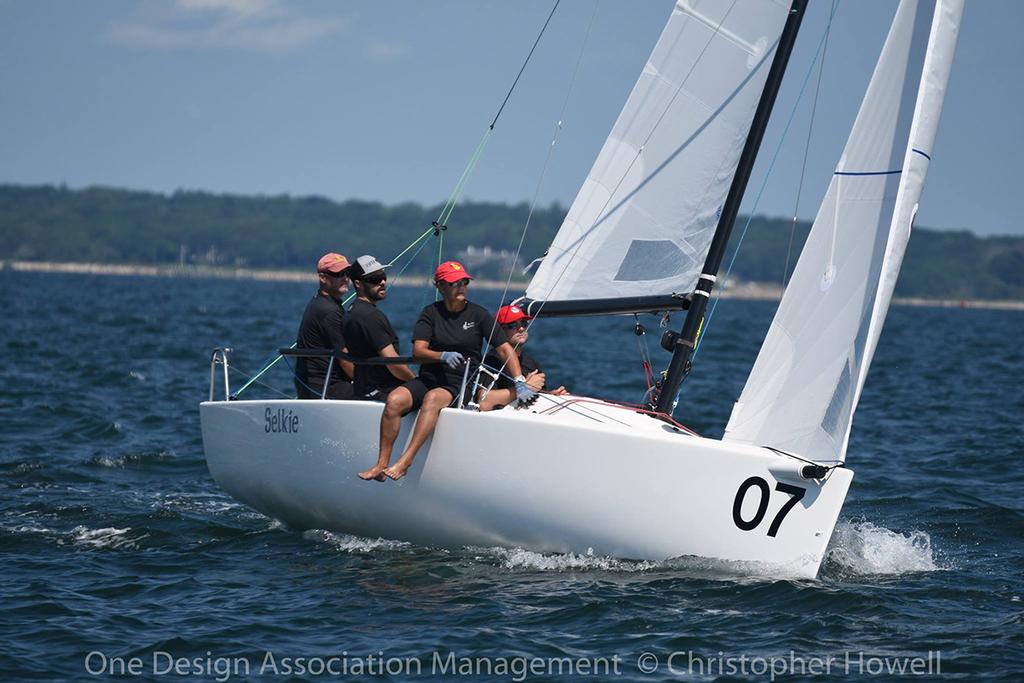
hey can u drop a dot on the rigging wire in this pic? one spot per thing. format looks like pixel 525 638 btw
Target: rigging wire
pixel 760 192
pixel 645 354
pixel 544 169
pixel 834 463
pixel 527 61
pixel 441 224
pixel 807 147
pixel 253 379
pixel 449 207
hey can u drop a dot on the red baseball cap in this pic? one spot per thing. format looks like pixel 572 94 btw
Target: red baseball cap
pixel 451 271
pixel 332 263
pixel 511 314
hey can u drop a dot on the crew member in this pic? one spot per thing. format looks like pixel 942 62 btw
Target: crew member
pixel 321 328
pixel 515 323
pixel 448 334
pixel 369 334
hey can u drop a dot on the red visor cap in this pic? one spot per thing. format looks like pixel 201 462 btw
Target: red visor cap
pixel 451 271
pixel 332 263
pixel 511 314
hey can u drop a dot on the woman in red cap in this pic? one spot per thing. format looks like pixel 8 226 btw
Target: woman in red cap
pixel 501 392
pixel 448 334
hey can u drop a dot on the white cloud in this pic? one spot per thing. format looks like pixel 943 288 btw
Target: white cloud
pixel 265 25
pixel 381 51
pixel 236 7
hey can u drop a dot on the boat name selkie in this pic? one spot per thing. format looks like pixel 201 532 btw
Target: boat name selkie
pixel 281 421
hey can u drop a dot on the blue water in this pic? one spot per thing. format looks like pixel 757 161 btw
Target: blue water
pixel 119 550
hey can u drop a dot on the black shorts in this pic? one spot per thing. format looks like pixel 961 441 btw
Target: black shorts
pixel 339 390
pixel 373 393
pixel 421 385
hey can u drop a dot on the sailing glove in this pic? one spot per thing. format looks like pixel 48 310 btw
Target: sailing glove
pixel 524 392
pixel 452 359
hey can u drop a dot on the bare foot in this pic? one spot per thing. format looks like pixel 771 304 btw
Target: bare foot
pixel 396 471
pixel 375 473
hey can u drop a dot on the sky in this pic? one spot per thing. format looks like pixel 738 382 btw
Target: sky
pixel 386 100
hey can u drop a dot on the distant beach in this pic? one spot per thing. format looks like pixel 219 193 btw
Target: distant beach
pixel 734 290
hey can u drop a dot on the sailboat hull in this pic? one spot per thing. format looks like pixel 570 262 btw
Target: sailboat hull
pixel 569 475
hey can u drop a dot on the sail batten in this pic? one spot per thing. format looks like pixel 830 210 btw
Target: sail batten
pixel 643 221
pixel 808 377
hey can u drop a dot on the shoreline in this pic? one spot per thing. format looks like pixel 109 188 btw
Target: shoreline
pixel 754 291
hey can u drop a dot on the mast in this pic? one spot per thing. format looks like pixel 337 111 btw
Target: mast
pixel 683 343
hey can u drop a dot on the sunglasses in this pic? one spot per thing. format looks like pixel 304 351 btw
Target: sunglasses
pixel 343 273
pixel 375 280
pixel 524 323
pixel 458 283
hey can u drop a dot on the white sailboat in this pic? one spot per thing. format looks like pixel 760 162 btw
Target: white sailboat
pixel 637 236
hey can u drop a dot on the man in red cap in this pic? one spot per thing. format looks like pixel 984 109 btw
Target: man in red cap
pixel 321 328
pixel 516 324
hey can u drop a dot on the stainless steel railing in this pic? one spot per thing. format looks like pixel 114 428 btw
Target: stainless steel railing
pixel 220 357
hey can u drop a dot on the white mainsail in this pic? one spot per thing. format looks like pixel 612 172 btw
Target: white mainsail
pixel 806 382
pixel 643 221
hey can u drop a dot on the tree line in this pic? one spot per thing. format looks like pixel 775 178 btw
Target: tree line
pixel 100 224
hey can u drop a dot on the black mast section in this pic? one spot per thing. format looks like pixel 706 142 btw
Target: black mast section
pixel 683 344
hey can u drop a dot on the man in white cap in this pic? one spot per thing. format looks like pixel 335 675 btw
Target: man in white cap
pixel 321 328
pixel 369 334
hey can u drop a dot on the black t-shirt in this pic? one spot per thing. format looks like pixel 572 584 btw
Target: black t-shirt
pixel 464 332
pixel 526 362
pixel 367 331
pixel 321 328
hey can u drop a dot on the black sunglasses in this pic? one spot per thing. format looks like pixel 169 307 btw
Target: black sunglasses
pixel 517 324
pixel 374 279
pixel 343 273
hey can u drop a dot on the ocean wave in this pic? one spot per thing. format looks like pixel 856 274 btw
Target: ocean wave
pixel 200 503
pixel 690 566
pixel 20 467
pixel 108 537
pixel 119 461
pixel 862 548
pixel 29 529
pixel 520 558
pixel 353 544
pixel 107 461
pixel 91 427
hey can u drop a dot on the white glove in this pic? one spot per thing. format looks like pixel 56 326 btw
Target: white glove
pixel 452 359
pixel 524 392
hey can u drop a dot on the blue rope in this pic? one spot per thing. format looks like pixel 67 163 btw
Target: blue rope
pixel 764 184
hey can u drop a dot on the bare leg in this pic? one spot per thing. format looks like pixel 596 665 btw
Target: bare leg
pixel 497 398
pixel 433 403
pixel 398 401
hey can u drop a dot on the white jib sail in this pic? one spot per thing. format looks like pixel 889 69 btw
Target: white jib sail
pixel 643 221
pixel 806 382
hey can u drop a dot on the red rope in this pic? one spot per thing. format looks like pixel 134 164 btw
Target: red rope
pixel 633 407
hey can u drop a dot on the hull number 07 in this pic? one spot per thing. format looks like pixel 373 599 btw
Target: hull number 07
pixel 764 493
